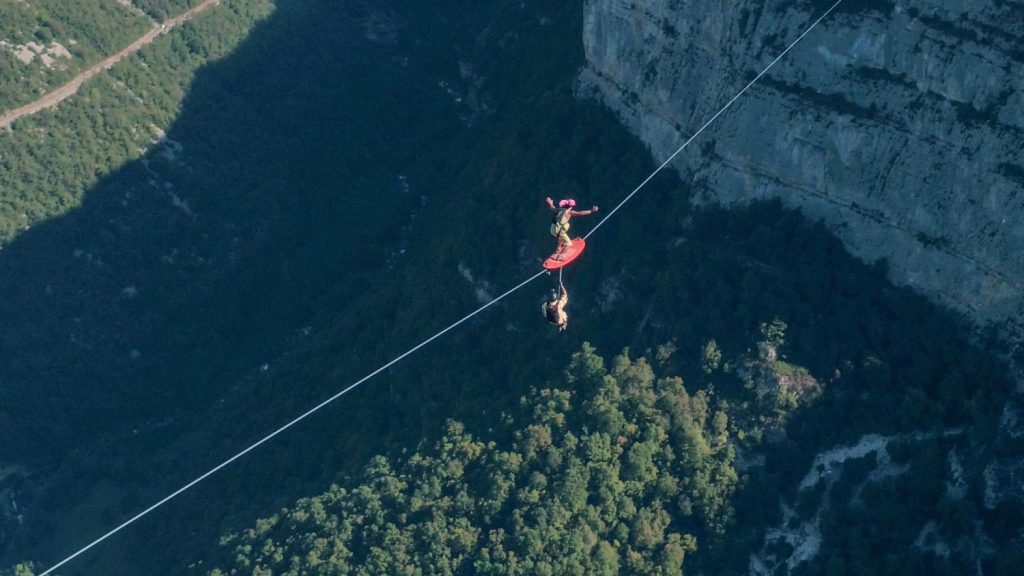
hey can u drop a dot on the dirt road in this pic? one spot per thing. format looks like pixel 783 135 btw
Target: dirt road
pixel 52 99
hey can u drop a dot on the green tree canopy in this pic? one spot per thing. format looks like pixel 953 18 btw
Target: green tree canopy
pixel 619 469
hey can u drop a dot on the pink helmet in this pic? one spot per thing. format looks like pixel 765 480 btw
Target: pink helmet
pixel 566 203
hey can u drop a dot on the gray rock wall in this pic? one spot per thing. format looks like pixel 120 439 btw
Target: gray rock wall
pixel 899 124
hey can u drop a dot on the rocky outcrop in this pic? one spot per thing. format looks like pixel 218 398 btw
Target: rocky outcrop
pixel 900 126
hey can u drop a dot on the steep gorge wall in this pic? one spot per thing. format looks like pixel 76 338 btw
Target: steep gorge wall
pixel 900 125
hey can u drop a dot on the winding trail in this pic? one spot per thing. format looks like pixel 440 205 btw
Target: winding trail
pixel 55 97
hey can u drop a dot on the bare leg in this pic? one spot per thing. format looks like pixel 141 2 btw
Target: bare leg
pixel 561 250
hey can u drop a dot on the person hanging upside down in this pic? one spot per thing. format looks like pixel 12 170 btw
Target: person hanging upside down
pixel 560 221
pixel 554 308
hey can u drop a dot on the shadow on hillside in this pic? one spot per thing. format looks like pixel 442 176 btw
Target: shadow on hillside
pixel 182 277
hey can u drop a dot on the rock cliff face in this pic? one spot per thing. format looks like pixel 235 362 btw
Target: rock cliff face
pixel 900 125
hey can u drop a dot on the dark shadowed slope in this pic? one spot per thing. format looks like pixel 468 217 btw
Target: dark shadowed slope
pixel 275 197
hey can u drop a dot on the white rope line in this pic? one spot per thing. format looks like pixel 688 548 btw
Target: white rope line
pixel 713 118
pixel 316 408
pixel 285 427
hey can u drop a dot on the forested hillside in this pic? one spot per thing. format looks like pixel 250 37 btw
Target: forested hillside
pixel 613 471
pixel 44 43
pixel 51 159
pixel 349 180
pixel 620 470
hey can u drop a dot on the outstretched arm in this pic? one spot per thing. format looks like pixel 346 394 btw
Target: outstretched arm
pixel 551 203
pixel 584 212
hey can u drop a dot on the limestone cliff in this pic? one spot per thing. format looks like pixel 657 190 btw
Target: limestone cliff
pixel 900 125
